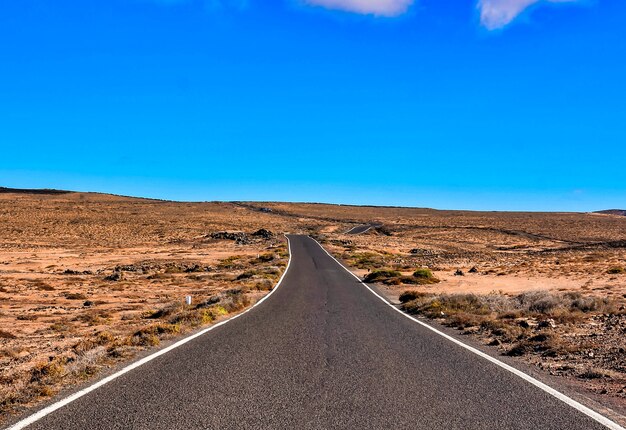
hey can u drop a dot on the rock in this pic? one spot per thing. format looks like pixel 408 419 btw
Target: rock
pixel 523 324
pixel 114 277
pixel 194 268
pixel 71 272
pixel 494 342
pixel 421 251
pixel 88 303
pixel 76 272
pixel 265 234
pixel 240 238
pixel 473 270
pixel 459 272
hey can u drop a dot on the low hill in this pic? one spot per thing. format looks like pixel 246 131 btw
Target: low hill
pixel 621 212
pixel 32 191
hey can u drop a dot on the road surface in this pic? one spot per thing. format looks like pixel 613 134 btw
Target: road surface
pixel 321 353
pixel 360 229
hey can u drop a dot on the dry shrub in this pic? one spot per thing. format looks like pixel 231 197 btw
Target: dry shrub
pixel 264 285
pixel 194 317
pixel 594 373
pixel 234 300
pixel 165 312
pixel 247 275
pixel 149 336
pixel 48 373
pixel 232 262
pixel 546 344
pixel 265 258
pixel 537 301
pixel 94 317
pixel 6 335
pixel 366 260
pixel 100 339
pixel 513 320
pixel 410 295
pixel 60 326
pixel 75 296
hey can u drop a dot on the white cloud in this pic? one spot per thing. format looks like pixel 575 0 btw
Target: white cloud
pixel 367 7
pixel 496 14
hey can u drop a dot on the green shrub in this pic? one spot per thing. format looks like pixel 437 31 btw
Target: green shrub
pixel 381 275
pixel 423 273
pixel 366 260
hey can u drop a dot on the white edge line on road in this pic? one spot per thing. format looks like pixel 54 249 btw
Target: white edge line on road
pixel 58 405
pixel 571 402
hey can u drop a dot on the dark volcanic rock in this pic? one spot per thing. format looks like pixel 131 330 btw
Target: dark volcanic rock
pixel 114 277
pixel 265 234
pixel 239 237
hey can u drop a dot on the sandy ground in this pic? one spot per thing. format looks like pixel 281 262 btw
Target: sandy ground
pixel 516 284
pixel 82 277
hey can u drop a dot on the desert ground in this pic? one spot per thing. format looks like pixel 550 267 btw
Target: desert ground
pixel 88 280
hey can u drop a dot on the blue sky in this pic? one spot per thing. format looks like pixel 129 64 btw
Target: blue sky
pixel 497 105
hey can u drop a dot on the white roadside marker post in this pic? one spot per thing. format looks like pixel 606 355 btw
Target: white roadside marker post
pixel 187 300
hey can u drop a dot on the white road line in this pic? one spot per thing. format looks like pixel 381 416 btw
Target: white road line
pixel 571 402
pixel 57 405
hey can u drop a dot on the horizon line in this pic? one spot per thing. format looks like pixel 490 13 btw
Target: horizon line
pixel 55 191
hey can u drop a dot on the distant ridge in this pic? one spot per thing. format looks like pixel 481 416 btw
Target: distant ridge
pixel 4 190
pixel 621 212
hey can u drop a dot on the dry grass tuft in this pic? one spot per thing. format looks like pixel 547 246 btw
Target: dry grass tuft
pixel 6 335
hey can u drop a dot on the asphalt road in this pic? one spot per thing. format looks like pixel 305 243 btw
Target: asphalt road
pixel 321 353
pixel 359 229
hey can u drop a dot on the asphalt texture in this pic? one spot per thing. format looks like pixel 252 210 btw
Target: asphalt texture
pixel 321 353
pixel 359 229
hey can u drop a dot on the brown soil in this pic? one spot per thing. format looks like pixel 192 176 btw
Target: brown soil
pixel 87 280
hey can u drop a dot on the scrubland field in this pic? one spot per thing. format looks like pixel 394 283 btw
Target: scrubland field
pixel 88 280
